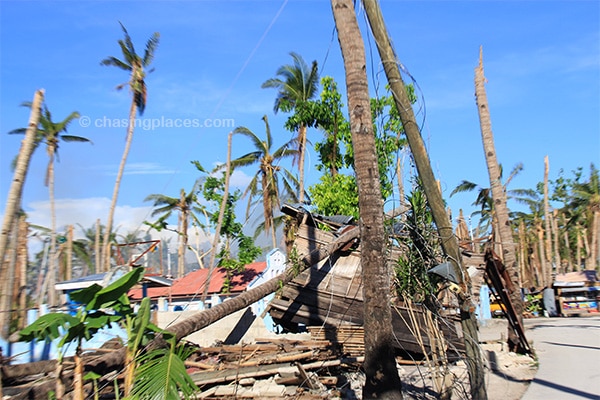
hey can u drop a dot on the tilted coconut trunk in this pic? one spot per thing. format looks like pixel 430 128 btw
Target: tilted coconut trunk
pixel 382 379
pixel 13 201
pixel 499 196
pixel 106 245
pixel 434 198
pixel 53 258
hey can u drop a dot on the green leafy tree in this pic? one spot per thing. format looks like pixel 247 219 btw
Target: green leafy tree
pixel 584 211
pixel 271 183
pixel 335 195
pixel 92 316
pixel 231 230
pixel 136 65
pixel 421 250
pixel 335 127
pixel 336 152
pixel 296 85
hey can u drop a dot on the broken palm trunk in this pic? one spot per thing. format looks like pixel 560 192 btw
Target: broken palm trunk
pixel 329 294
pixel 498 277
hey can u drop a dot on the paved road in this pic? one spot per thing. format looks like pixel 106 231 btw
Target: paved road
pixel 568 350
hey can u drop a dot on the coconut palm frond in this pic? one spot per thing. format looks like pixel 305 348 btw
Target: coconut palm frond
pixel 115 62
pixel 162 375
pixel 151 46
pixel 464 186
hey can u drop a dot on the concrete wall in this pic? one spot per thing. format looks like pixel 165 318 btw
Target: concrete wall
pixel 241 326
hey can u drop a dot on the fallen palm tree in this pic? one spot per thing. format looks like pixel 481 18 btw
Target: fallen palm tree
pixel 107 364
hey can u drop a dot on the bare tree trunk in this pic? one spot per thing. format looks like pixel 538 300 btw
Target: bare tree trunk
pixel 106 245
pixel 53 266
pixel 579 246
pixel 22 265
pixel 8 284
pixel 547 227
pixel 434 198
pixel 183 236
pixel 569 267
pixel 555 241
pixel 13 201
pixel 594 264
pixel 526 280
pixel 541 252
pixel 499 196
pixel 97 258
pixel 586 247
pixel 400 179
pixel 69 253
pixel 215 244
pixel 382 379
pixel 302 155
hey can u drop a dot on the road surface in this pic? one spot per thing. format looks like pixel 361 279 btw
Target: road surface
pixel 568 351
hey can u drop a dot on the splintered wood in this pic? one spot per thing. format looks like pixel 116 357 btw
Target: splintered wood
pixel 270 368
pixel 349 338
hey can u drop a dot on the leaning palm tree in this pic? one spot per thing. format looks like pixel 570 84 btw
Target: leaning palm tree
pixel 188 208
pixel 270 174
pixel 50 133
pixel 136 65
pixel 296 85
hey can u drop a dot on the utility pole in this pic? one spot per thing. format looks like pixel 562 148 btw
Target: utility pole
pixel 449 242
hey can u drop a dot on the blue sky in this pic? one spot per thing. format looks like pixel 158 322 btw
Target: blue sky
pixel 542 61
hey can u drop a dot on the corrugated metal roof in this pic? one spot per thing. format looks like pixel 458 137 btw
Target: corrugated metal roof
pixel 193 283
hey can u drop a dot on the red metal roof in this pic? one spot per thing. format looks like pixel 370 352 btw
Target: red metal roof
pixel 193 283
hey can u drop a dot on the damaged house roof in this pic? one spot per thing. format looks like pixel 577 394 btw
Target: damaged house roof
pixel 193 283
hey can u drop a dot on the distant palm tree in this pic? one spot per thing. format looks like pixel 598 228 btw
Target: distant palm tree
pixel 269 173
pixel 585 207
pixel 136 65
pixel 50 133
pixel 296 85
pixel 484 197
pixel 188 208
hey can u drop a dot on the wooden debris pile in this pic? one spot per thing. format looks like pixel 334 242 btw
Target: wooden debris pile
pixel 275 368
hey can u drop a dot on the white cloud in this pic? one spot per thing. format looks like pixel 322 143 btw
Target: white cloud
pixel 139 168
pixel 127 218
pixel 239 179
pixel 147 168
pixel 85 212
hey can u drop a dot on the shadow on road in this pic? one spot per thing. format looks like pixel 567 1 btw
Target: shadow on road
pixel 574 345
pixel 565 389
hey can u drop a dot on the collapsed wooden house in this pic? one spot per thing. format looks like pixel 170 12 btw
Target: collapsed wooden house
pixel 329 295
pixel 326 299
